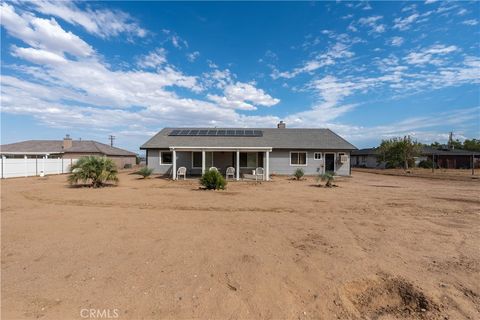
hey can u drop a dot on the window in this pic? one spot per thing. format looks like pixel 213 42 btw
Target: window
pixel 298 158
pixel 196 159
pixel 165 158
pixel 248 159
pixel 317 156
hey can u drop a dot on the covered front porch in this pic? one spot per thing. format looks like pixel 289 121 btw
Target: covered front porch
pixel 197 160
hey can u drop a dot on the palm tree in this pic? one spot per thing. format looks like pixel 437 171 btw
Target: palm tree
pixel 96 170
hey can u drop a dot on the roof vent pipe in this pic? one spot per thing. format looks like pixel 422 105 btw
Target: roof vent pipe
pixel 281 125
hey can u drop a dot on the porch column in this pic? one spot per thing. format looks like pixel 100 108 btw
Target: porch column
pixel 174 163
pixel 25 162
pixel 267 165
pixel 203 162
pixel 237 165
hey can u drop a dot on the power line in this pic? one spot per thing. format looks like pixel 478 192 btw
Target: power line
pixel 111 138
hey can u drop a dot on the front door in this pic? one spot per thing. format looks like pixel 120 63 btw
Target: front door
pixel 329 162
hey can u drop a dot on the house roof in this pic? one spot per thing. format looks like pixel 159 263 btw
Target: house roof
pixel 425 151
pixel 56 146
pixel 270 138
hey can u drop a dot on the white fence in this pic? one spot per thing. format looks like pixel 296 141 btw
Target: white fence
pixel 26 167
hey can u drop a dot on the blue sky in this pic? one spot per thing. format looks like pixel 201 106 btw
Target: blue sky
pixel 367 70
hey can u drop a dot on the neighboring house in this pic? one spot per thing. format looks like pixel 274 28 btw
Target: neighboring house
pixel 443 156
pixel 278 151
pixel 366 158
pixel 67 149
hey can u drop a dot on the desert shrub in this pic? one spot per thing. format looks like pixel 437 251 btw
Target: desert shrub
pixel 298 173
pixel 145 172
pixel 212 179
pixel 327 177
pixel 96 170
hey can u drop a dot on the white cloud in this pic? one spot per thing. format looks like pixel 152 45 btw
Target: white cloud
pixel 373 23
pixel 102 22
pixel 37 56
pixel 338 51
pixel 430 1
pixel 193 56
pixel 243 96
pixel 430 55
pixel 396 41
pixel 44 34
pixel 404 24
pixel 471 22
pixel 154 59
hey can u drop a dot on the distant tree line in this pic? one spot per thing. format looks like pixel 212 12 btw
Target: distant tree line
pixel 401 152
pixel 468 144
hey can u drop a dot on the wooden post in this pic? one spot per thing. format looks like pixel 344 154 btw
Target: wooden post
pixel 473 164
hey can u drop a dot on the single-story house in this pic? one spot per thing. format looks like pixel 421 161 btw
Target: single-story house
pixel 67 149
pixel 443 156
pixel 277 151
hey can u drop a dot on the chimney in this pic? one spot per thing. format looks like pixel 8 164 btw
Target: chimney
pixel 67 142
pixel 281 125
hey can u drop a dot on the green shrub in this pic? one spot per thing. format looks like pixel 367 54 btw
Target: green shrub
pixel 96 170
pixel 427 164
pixel 145 172
pixel 298 173
pixel 328 177
pixel 213 179
pixel 127 166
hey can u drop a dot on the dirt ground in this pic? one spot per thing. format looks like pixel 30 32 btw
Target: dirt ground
pixel 375 247
pixel 442 174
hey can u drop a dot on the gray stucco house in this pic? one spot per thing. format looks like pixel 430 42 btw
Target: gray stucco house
pixel 277 150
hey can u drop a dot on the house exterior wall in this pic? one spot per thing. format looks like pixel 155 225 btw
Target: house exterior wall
pixel 279 162
pixel 367 161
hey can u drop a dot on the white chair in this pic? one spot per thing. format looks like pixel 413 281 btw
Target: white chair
pixel 230 172
pixel 213 169
pixel 182 171
pixel 259 172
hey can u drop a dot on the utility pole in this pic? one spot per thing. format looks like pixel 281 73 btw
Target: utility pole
pixel 111 138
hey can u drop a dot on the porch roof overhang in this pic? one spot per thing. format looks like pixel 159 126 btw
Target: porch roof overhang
pixel 251 149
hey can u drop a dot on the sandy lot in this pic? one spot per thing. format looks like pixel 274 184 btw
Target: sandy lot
pixel 378 247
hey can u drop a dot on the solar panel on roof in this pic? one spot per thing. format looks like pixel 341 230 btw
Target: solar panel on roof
pixel 240 133
pixel 174 133
pixel 217 132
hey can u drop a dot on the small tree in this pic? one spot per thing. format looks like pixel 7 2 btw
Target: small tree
pixel 96 170
pixel 213 180
pixel 328 177
pixel 145 172
pixel 298 173
pixel 399 152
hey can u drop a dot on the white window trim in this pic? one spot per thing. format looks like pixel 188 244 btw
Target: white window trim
pixel 161 158
pixel 334 161
pixel 298 165
pixel 321 156
pixel 193 162
pixel 256 161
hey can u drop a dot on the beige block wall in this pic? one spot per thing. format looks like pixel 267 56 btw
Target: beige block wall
pixel 119 161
